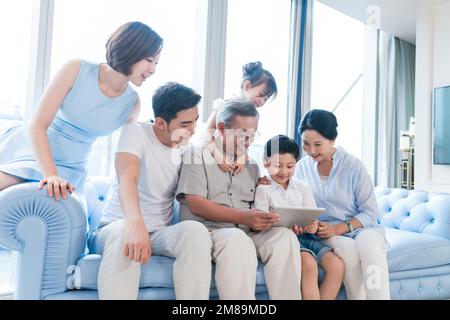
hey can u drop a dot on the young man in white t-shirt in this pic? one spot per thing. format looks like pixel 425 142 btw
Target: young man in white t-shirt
pixel 136 221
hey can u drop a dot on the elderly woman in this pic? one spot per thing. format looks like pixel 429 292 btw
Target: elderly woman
pixel 341 184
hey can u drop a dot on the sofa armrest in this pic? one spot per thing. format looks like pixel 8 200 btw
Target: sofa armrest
pixel 49 235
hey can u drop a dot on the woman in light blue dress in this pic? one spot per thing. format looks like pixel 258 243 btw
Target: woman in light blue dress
pixel 83 102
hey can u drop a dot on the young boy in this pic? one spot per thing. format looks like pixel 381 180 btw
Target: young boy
pixel 280 157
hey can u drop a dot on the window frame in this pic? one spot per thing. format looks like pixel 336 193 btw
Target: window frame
pixel 210 57
pixel 370 83
pixel 41 46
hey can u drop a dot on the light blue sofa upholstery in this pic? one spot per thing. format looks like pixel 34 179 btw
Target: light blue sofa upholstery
pixel 418 231
pixel 54 263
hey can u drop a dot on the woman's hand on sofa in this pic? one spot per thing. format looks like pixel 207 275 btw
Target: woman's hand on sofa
pixel 56 186
pixel 137 241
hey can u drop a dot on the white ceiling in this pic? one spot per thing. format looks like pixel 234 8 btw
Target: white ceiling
pixel 398 17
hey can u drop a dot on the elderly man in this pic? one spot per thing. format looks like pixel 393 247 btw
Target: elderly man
pixel 222 201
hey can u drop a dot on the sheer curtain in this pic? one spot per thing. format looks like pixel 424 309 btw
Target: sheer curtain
pixel 396 92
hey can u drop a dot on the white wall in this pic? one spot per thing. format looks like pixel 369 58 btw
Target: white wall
pixel 432 70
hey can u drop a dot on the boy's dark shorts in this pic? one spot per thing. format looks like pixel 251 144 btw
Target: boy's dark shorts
pixel 315 246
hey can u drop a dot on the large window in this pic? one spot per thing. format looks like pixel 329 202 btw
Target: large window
pixel 81 28
pixel 337 72
pixel 258 30
pixel 15 26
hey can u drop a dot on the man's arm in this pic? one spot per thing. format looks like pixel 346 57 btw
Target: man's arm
pixel 128 169
pixel 137 245
pixel 209 210
pixel 213 211
pixel 262 201
pixel 130 151
pixel 193 188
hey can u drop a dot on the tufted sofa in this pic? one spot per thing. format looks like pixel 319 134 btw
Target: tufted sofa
pixel 418 231
pixel 54 261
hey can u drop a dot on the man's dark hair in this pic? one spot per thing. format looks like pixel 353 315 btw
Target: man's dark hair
pixel 172 98
pixel 282 145
pixel 131 43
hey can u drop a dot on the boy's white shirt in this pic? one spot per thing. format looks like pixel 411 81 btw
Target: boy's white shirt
pixel 297 194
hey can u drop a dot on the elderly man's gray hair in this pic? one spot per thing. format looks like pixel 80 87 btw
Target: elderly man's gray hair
pixel 233 108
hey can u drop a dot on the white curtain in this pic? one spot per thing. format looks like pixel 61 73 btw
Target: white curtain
pixel 396 92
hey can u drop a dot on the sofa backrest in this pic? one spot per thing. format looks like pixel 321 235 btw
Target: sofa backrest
pixel 415 211
pixel 97 190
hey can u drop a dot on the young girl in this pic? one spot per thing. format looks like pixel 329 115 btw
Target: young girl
pixel 84 101
pixel 258 85
pixel 281 154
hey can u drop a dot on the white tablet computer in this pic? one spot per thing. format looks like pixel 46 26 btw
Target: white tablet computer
pixel 301 216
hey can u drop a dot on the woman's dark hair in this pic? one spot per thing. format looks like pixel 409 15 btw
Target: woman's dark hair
pixel 324 122
pixel 171 98
pixel 282 145
pixel 255 73
pixel 131 43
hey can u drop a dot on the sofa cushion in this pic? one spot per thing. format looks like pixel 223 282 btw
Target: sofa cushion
pixel 415 211
pixel 410 250
pixel 156 273
pixel 406 251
